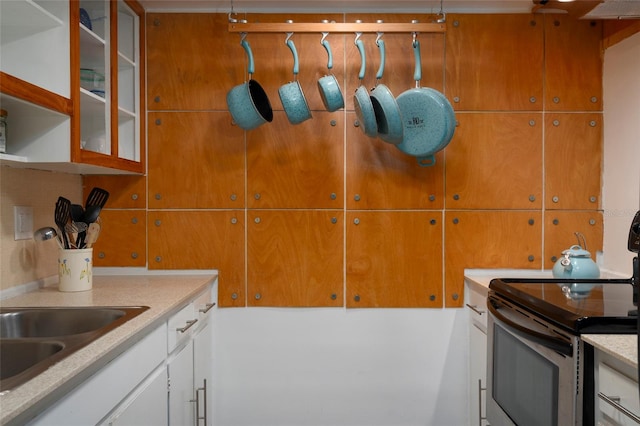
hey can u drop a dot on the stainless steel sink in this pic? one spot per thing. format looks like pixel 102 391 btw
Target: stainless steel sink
pixel 33 339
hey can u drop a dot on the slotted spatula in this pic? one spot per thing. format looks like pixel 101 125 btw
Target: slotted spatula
pixel 61 216
pixel 96 200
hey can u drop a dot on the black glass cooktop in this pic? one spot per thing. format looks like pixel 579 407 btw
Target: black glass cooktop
pixel 580 306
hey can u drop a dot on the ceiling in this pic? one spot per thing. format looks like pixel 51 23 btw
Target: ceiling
pixel 597 9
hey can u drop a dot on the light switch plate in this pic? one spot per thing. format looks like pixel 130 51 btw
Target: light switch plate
pixel 23 222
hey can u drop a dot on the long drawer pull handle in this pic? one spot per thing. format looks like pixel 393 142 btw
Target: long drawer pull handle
pixel 207 308
pixel 619 407
pixel 475 309
pixel 190 324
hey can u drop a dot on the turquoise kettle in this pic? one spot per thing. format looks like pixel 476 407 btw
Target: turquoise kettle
pixel 576 262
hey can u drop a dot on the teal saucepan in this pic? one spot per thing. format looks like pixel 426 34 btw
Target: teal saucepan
pixel 362 101
pixel 248 102
pixel 291 94
pixel 387 112
pixel 428 118
pixel 328 85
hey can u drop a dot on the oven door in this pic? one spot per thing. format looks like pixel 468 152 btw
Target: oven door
pixel 533 370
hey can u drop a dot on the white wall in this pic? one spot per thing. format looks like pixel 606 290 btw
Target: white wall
pixel 621 192
pixel 338 367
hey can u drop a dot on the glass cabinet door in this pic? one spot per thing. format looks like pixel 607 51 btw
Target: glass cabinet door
pixel 95 87
pixel 128 89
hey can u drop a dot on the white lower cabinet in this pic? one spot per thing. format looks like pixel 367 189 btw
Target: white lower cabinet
pixel 477 309
pixel 159 381
pixel 189 366
pixel 616 396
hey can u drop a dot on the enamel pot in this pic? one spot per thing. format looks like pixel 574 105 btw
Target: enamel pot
pixel 248 102
pixel 291 95
pixel 385 107
pixel 362 102
pixel 328 85
pixel 428 118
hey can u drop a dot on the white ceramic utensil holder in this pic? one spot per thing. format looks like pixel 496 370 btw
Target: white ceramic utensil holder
pixel 75 269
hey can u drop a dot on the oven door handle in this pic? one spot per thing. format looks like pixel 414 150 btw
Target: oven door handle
pixel 547 340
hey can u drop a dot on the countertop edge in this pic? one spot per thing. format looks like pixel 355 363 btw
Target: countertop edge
pixel 30 399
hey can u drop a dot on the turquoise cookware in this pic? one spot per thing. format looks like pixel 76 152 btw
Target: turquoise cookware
pixel 428 118
pixel 248 102
pixel 361 100
pixel 291 95
pixel 388 119
pixel 328 85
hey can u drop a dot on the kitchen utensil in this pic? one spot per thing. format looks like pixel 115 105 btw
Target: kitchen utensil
pixel 328 85
pixel 45 234
pixel 248 102
pixel 62 215
pixel 388 119
pixel 92 234
pixel 428 117
pixel 97 197
pixel 92 213
pixel 291 94
pixel 576 262
pixel 361 100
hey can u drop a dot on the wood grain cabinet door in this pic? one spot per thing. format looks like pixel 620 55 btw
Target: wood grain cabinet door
pixel 380 176
pixel 573 160
pixel 122 239
pixel 394 259
pixel 196 161
pixel 297 166
pixel 295 258
pixel 559 233
pixel 192 61
pixel 489 239
pixel 495 62
pixel 125 191
pixel 573 64
pixel 495 162
pixel 201 240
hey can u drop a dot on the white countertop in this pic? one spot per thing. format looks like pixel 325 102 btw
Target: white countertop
pixel 163 294
pixel 621 346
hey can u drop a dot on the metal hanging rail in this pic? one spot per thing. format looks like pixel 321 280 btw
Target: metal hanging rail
pixel 321 27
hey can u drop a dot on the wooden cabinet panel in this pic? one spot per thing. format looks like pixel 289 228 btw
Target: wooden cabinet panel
pixel 125 192
pixel 201 240
pixel 489 239
pixel 573 160
pixel 193 61
pixel 295 258
pixel 495 62
pixel 495 161
pixel 196 160
pixel 299 166
pixel 573 64
pixel 559 233
pixel 394 259
pixel 380 176
pixel 122 240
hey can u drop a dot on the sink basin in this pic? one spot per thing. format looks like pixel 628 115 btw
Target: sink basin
pixel 17 356
pixel 33 339
pixel 40 322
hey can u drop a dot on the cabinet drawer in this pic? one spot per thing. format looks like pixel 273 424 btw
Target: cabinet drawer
pixel 620 388
pixel 477 304
pixel 180 326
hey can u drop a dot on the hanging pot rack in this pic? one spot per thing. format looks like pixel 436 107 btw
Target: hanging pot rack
pixel 336 27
